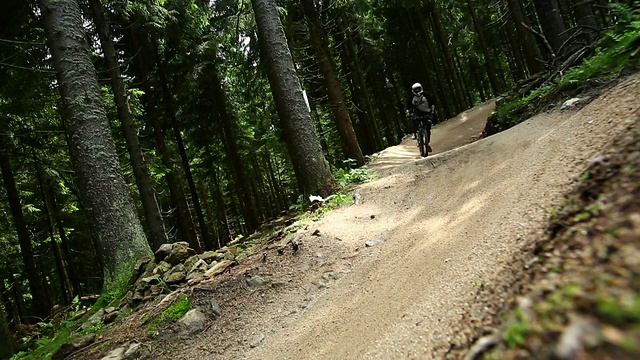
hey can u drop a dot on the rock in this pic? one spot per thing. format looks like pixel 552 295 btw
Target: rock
pixel 571 103
pixel 156 289
pixel 161 268
pixel 95 319
pixel 580 334
pixel 67 349
pixel 215 307
pixel 135 352
pixel 116 354
pixel 219 268
pixel 175 275
pixel 198 269
pixel 373 243
pixel 139 269
pixel 190 262
pixel 193 321
pixel 211 256
pixel 110 316
pixel 163 251
pixel 257 341
pixel 256 282
pixel 150 280
pixel 179 253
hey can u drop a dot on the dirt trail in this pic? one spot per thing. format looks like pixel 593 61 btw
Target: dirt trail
pixel 447 222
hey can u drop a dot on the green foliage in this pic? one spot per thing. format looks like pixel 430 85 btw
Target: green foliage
pixel 606 63
pixel 352 176
pixel 619 311
pixel 174 312
pixel 515 334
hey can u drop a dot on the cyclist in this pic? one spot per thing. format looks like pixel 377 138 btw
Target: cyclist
pixel 421 106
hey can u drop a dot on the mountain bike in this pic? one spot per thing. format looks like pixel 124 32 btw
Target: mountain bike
pixel 423 136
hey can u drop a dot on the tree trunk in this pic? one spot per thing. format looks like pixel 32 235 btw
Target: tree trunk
pixel 61 270
pixel 492 71
pixel 527 41
pixel 212 86
pixel 6 340
pixel 18 295
pixel 318 36
pixel 166 156
pixel 585 17
pixel 36 284
pixel 442 40
pixel 109 207
pixel 551 22
pixel 66 249
pixel 302 141
pixel 154 221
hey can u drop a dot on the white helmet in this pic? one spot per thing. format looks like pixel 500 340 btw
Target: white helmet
pixel 416 89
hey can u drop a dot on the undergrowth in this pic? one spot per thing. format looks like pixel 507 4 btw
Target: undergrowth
pixel 608 61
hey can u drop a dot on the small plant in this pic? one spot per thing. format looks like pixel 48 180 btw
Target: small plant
pixel 352 176
pixel 516 333
pixel 174 312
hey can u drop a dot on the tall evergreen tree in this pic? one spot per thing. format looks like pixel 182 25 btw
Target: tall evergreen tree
pixel 104 193
pixel 304 147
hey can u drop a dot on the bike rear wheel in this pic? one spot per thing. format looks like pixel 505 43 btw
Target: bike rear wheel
pixel 423 142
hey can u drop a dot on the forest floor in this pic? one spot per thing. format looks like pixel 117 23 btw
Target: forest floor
pixel 430 256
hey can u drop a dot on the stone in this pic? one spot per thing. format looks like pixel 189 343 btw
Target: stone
pixel 67 349
pixel 256 282
pixel 134 352
pixel 161 268
pixel 115 354
pixel 215 307
pixel 373 243
pixel 163 251
pixel 156 289
pixel 151 280
pixel 110 317
pixel 179 254
pixel 197 269
pixel 257 341
pixel 95 319
pixel 190 262
pixel 219 268
pixel 193 321
pixel 176 275
pixel 211 256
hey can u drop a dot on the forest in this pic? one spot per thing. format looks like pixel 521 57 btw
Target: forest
pixel 128 124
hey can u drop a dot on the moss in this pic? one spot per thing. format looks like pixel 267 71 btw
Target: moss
pixel 174 312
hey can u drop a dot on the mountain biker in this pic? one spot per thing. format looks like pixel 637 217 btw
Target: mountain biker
pixel 421 106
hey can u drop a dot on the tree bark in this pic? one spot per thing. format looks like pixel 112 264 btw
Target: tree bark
pixel 492 72
pixel 551 22
pixel 178 201
pixel 109 206
pixel 153 217
pixel 527 41
pixel 442 40
pixel 212 86
pixel 302 141
pixel 66 249
pixel 63 278
pixel 6 340
pixel 318 37
pixel 36 284
pixel 585 17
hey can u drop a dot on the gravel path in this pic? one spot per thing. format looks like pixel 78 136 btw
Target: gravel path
pixel 448 224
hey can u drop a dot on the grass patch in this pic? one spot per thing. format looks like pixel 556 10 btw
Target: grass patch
pixel 174 312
